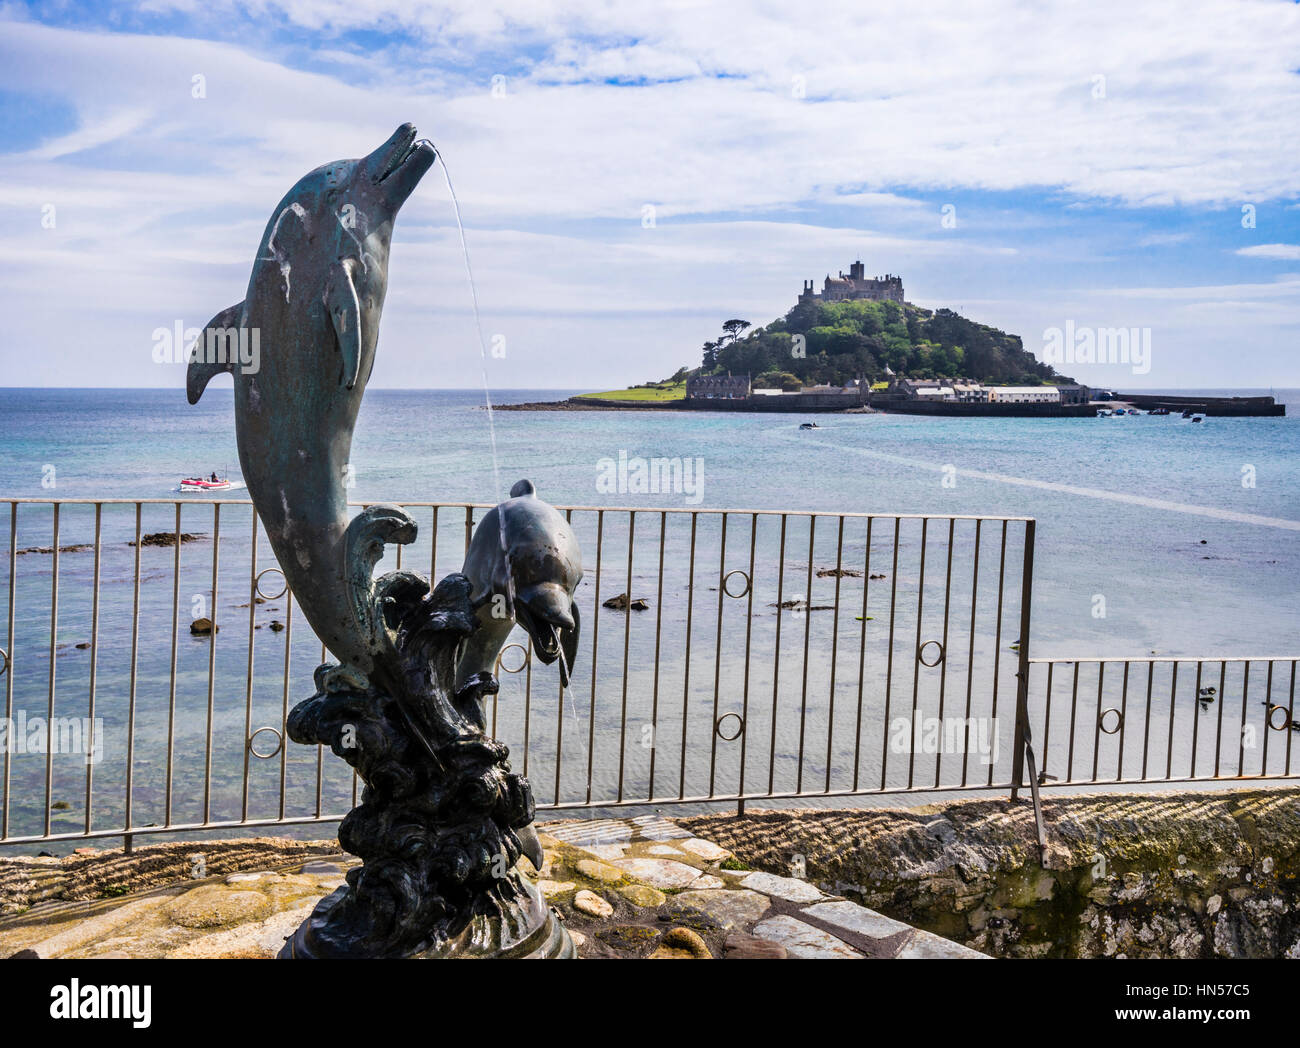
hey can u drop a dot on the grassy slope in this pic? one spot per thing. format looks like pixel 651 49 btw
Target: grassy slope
pixel 674 392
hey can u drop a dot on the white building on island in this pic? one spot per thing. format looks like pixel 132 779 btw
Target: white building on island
pixel 1024 395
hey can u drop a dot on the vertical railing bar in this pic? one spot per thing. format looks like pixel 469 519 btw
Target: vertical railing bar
pixel 943 669
pixel 717 654
pixel 284 696
pixel 528 703
pixel 171 681
pixel 320 760
pixel 91 741
pixel 1196 715
pixel 1074 718
pixel 916 653
pixel 248 688
pixel 1096 729
pixel 212 664
pixel 1123 720
pixel 433 549
pixel 776 657
pixel 862 657
pixel 686 673
pixel 54 640
pixel 595 643
pixel 469 529
pixel 749 625
pixel 807 632
pixel 889 661
pixel 1241 734
pixel 1047 722
pixel 9 652
pixel 1290 715
pixel 1022 750
pixel 654 691
pixel 130 706
pixel 627 638
pixel 1146 720
pixel 1173 705
pixel 997 646
pixel 835 643
pixel 970 656
pixel 1268 709
pixel 1218 732
pixel 559 723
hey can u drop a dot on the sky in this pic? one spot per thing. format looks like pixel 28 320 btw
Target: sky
pixel 632 175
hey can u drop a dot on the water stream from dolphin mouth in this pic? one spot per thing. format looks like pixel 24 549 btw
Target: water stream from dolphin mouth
pixel 487 394
pixel 496 463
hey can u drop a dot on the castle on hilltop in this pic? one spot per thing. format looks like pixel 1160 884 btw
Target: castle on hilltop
pixel 855 285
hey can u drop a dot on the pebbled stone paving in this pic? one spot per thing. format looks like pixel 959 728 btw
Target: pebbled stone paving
pixel 735 912
pixel 625 888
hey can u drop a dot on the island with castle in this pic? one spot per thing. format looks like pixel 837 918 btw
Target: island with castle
pixel 858 345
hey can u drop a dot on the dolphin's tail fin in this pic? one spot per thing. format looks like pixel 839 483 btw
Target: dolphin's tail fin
pixel 217 350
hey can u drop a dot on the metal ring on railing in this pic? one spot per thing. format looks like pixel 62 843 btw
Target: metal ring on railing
pixel 920 654
pixel 1101 721
pixel 727 579
pixel 1286 718
pixel 740 727
pixel 5 668
pixel 257 585
pixel 501 657
pixel 252 742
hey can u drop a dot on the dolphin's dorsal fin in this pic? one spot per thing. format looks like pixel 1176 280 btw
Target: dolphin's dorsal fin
pixel 201 370
pixel 523 487
pixel 345 311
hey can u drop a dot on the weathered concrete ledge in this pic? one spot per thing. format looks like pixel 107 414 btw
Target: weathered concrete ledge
pixel 1213 874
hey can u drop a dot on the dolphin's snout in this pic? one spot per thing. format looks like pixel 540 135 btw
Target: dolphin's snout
pixel 548 602
pixel 400 163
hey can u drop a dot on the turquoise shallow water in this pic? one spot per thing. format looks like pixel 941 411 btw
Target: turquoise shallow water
pixel 1164 591
pixel 1148 513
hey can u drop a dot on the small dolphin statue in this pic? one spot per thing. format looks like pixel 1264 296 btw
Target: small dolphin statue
pixel 315 298
pixel 524 565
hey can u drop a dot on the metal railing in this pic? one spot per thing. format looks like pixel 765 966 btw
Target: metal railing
pixel 1164 719
pixel 779 655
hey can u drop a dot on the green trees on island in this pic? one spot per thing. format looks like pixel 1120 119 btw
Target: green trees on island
pixel 836 342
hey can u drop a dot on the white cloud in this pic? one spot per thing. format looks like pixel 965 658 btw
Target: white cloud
pixel 161 197
pixel 1282 252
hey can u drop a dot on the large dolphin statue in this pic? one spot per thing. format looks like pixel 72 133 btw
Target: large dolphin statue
pixel 441 809
pixel 315 298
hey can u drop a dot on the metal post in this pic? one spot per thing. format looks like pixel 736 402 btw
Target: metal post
pixel 1022 749
pixel 1022 670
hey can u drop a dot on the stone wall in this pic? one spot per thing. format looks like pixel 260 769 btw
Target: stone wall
pixel 1214 874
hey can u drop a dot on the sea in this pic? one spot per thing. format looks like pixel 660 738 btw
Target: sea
pixel 1153 536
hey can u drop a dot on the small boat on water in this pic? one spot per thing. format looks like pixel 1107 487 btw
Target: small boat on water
pixel 809 425
pixel 213 483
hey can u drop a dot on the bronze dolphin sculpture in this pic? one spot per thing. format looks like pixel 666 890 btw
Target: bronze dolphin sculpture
pixel 315 297
pixel 524 565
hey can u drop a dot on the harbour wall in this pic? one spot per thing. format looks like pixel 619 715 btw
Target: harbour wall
pixel 1174 874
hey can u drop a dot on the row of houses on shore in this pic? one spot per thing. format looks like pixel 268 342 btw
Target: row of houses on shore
pixel 964 391
pixel 956 390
